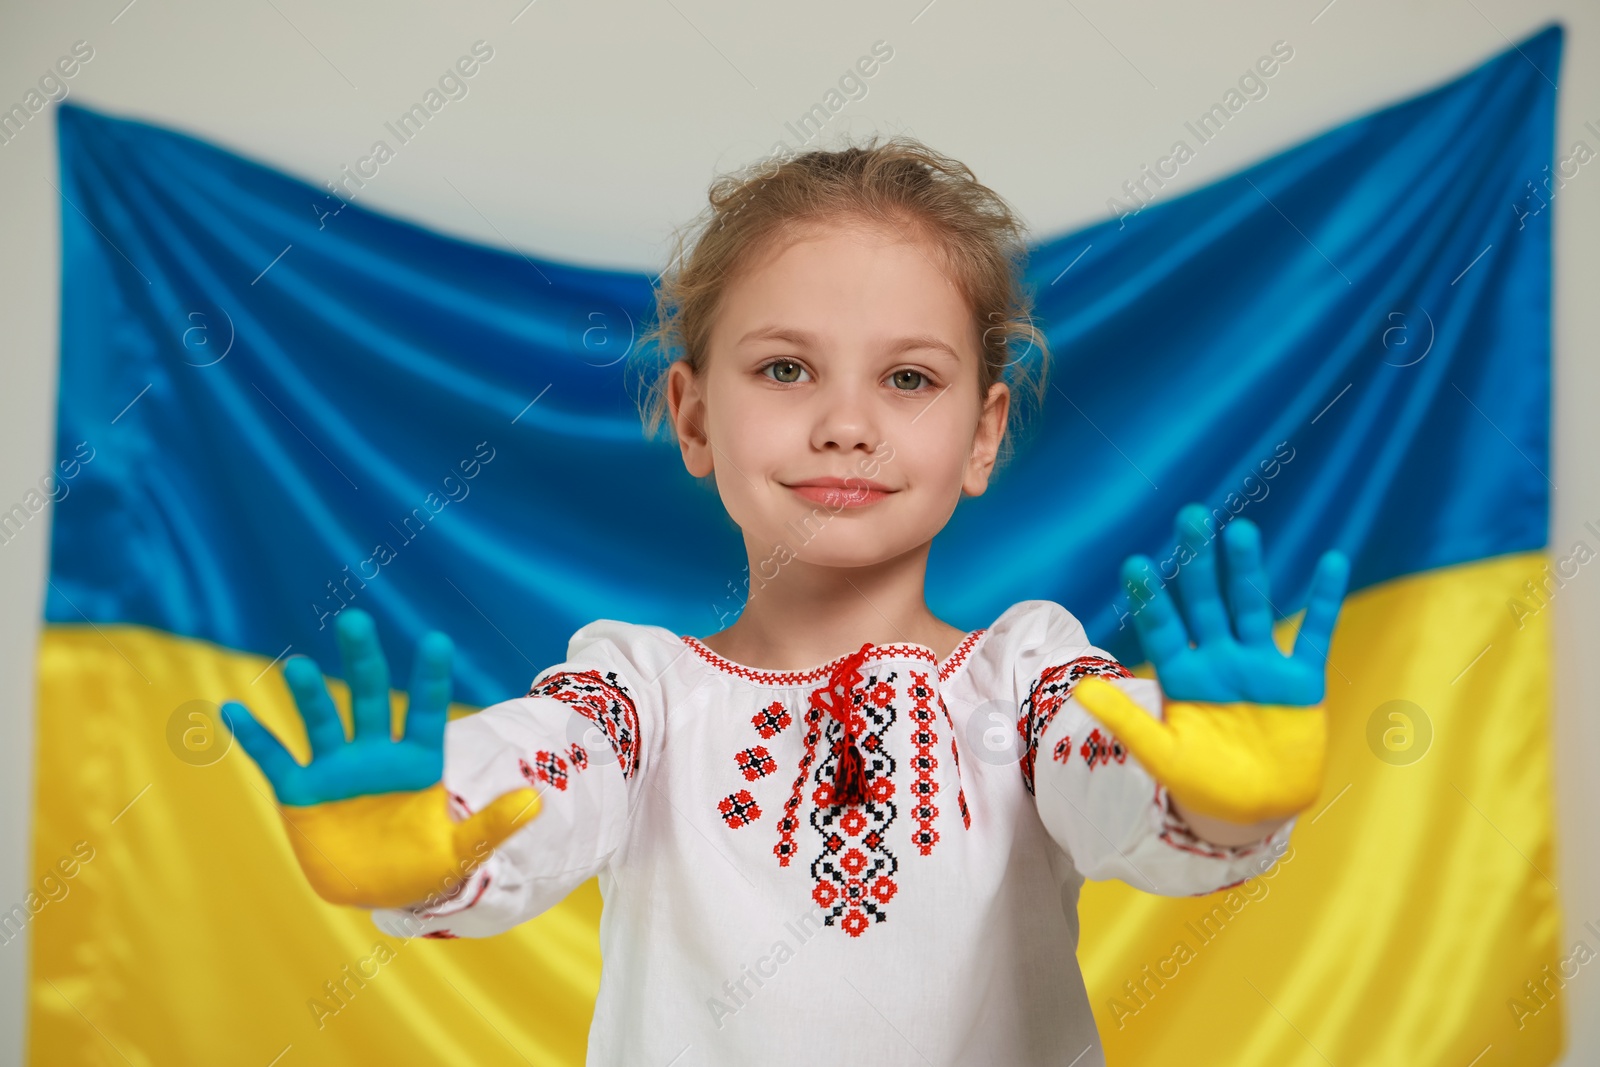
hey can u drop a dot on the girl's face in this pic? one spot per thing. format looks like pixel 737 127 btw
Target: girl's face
pixel 844 354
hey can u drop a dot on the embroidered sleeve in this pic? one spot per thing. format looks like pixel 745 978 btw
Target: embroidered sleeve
pixel 581 737
pixel 1095 799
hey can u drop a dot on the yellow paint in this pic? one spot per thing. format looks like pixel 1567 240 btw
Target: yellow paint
pixel 1245 763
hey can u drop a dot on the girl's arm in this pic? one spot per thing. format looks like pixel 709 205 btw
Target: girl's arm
pixel 582 738
pixel 1230 741
pixel 470 827
pixel 1095 799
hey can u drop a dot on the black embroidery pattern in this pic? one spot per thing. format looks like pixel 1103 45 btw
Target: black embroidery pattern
pixel 604 701
pixel 786 847
pixel 739 809
pixel 755 763
pixel 1045 697
pixel 771 720
pixel 925 738
pixel 551 767
pixel 1101 748
pixel 855 871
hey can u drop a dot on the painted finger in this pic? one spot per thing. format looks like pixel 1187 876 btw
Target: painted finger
pixel 1197 578
pixel 1322 608
pixel 1147 737
pixel 275 761
pixel 317 709
pixel 368 674
pixel 1247 584
pixel 428 705
pixel 502 817
pixel 1161 631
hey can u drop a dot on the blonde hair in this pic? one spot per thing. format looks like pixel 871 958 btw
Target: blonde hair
pixel 901 183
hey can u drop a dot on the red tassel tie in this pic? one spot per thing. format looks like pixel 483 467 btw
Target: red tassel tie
pixel 850 773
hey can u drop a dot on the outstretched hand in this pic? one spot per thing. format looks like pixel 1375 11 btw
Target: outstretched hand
pixel 1244 734
pixel 369 818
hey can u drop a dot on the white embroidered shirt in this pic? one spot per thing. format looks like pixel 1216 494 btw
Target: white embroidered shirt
pixel 748 919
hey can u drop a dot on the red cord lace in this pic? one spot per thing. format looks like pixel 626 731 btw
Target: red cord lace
pixel 834 699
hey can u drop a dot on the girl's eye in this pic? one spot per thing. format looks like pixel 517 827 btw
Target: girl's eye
pixel 917 379
pixel 788 366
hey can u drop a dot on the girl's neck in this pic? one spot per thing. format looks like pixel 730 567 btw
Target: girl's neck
pixel 808 615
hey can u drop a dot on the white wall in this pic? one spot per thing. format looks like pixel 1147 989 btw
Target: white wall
pixel 595 129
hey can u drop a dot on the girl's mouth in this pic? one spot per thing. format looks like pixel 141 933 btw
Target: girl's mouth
pixel 834 496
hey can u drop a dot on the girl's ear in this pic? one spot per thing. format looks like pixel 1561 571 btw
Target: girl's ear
pixel 986 442
pixel 686 402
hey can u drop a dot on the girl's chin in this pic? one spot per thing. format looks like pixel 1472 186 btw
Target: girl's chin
pixel 818 550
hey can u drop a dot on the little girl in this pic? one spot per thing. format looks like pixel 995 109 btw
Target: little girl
pixel 840 830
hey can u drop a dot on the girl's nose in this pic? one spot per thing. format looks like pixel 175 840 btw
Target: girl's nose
pixel 847 418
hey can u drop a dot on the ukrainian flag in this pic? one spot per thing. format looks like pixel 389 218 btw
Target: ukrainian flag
pixel 275 405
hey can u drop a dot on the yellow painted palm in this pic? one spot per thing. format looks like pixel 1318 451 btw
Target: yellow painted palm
pixel 368 817
pixel 398 848
pixel 1242 733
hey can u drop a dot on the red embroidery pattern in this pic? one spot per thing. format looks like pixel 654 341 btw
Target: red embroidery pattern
pixel 1063 749
pixel 771 720
pixel 547 767
pixel 1097 750
pixel 604 701
pixel 755 763
pixel 1045 697
pixel 739 809
pixel 481 875
pixel 923 789
pixel 854 872
pixel 790 822
pixel 819 674
pixel 1178 834
pixel 959 656
pixel 955 761
pixel 551 768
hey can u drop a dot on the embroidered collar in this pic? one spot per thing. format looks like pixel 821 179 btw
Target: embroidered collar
pixel 869 653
